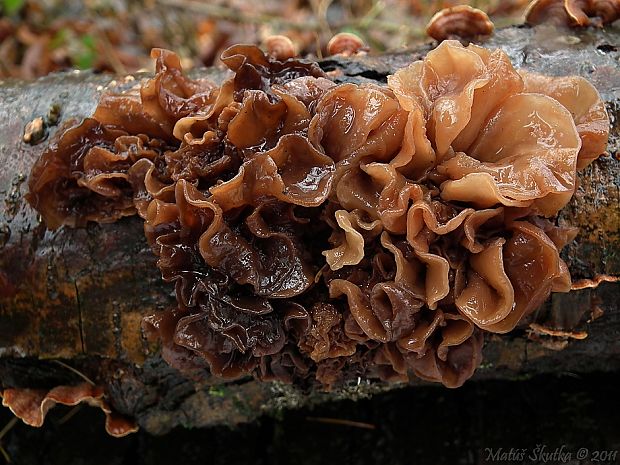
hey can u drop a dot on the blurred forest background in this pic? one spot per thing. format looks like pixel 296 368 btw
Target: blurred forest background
pixel 39 37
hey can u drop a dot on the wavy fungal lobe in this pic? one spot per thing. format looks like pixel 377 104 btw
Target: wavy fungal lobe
pixel 317 232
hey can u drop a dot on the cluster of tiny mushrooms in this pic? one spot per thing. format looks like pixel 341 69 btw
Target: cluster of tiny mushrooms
pixel 461 22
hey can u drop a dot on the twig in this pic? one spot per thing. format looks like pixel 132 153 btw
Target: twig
pixel 108 51
pixel 79 373
pixel 8 427
pixel 70 414
pixel 371 15
pixel 3 433
pixel 5 454
pixel 339 421
pixel 320 8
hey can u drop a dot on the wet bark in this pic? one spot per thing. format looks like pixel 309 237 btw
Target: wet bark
pixel 79 294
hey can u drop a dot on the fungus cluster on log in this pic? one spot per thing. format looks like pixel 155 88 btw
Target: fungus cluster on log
pixel 317 232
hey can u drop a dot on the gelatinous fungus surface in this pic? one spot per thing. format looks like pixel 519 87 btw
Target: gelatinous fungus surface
pixel 318 232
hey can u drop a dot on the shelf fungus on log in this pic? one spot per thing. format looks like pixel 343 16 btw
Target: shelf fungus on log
pixel 280 47
pixel 461 22
pixel 316 231
pixel 346 44
pixel 573 13
pixel 32 405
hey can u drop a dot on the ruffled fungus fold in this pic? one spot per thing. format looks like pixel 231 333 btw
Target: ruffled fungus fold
pixel 317 232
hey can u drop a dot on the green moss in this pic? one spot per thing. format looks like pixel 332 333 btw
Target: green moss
pixel 217 391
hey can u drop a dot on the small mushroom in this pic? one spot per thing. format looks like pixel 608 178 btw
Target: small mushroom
pixel 459 22
pixel 573 13
pixel 345 44
pixel 280 47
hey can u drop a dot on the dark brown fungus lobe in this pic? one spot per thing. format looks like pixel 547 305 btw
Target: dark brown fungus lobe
pixel 455 357
pixel 280 47
pixel 256 71
pixel 346 44
pixel 389 364
pixel 157 103
pixel 289 364
pixel 353 122
pixel 81 178
pixel 260 122
pixel 32 405
pixel 268 258
pixel 160 328
pixel 573 13
pixel 325 338
pixel 317 232
pixel 293 171
pixel 459 22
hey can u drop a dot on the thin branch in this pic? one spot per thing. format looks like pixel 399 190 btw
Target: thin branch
pixel 8 427
pixel 79 373
pixel 5 454
pixel 339 421
pixel 70 414
pixel 110 53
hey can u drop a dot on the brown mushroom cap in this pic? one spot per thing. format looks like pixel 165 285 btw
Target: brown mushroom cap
pixel 460 22
pixel 345 43
pixel 280 47
pixel 573 13
pixel 592 12
pixel 607 10
pixel 546 11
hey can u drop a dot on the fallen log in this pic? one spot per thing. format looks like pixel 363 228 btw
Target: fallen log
pixel 78 295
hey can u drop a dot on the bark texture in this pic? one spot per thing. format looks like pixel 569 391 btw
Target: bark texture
pixel 78 295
